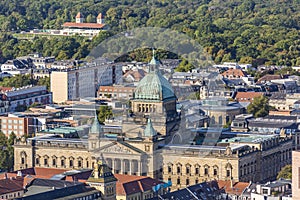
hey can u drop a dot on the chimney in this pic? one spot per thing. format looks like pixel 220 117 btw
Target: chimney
pixel 231 183
pixel 19 173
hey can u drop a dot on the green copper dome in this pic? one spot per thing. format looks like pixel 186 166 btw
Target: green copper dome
pixel 154 86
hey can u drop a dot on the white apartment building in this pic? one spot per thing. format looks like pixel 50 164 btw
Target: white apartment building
pixel 82 82
pixel 25 96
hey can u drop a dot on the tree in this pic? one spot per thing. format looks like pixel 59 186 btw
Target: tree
pixel 259 107
pixel 10 149
pixel 184 66
pixel 104 112
pixel 285 172
pixel 7 151
pixel 44 81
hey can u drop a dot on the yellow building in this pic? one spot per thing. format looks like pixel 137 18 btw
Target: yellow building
pixel 148 145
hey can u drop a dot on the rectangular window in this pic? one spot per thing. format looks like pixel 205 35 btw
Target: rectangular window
pixel 62 163
pixel 45 161
pixel 178 170
pixel 265 191
pixel 197 170
pixel 187 170
pixel 215 172
pixel 205 171
pixel 53 161
pixel 169 169
pixel 228 173
pixel 187 182
pixel 178 181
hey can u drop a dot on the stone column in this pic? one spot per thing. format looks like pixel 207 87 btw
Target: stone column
pixel 122 166
pixel 129 166
pixel 140 166
pixel 113 165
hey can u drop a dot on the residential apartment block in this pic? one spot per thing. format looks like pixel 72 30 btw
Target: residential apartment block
pixel 81 82
pixel 20 125
pixel 115 92
pixel 25 96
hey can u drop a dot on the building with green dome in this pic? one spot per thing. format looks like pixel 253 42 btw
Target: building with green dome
pixel 153 98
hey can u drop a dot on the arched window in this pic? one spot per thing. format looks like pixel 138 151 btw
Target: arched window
pixel 206 170
pixel 46 161
pixel 188 169
pixel 197 169
pixel 79 162
pixel 71 162
pixel 62 161
pixel 228 168
pixel 54 160
pixel 215 170
pixel 37 160
pixel 170 168
pixel 23 156
pixel 179 168
pixel 220 120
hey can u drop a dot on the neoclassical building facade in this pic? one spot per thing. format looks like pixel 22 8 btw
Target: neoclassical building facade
pixel 145 147
pixel 254 158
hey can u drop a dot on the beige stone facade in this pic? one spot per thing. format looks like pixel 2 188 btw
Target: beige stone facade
pixel 182 165
pixel 238 162
pixel 296 175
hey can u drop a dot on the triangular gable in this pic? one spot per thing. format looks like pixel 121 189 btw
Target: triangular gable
pixel 120 148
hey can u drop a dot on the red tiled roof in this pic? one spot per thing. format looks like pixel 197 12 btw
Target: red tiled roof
pixel 268 78
pixel 37 172
pixel 4 89
pixel 129 184
pixel 47 172
pixel 136 74
pixel 83 25
pixel 247 96
pixel 234 72
pixel 237 189
pixel 11 185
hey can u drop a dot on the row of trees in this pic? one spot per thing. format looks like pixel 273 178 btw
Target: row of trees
pixel 7 151
pixel 19 80
pixel 254 31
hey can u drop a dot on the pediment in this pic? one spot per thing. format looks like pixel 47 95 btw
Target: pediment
pixel 118 148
